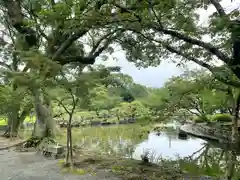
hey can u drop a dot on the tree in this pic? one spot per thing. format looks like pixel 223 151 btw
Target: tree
pixel 17 101
pixel 127 88
pixel 101 100
pixel 72 91
pixel 163 34
pixel 49 31
pixel 171 29
pixel 199 93
pixel 158 102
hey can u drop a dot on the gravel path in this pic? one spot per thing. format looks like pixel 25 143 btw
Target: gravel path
pixel 29 166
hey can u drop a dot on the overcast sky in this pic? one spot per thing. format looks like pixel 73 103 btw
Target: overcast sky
pixel 156 76
pixel 152 76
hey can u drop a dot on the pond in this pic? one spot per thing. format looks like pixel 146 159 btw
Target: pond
pixel 168 146
pixel 132 141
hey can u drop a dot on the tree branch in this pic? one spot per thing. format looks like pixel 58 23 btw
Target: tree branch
pixel 188 57
pixel 95 46
pixel 68 43
pixel 155 14
pixel 64 107
pixel 17 20
pixel 90 59
pixel 212 49
pixel 219 8
pixel 192 112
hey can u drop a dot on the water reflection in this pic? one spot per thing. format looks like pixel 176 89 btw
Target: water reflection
pixel 169 146
pixel 193 155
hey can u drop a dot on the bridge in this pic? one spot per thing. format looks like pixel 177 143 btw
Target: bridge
pixel 206 132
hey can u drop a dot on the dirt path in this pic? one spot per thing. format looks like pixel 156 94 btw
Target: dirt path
pixel 6 143
pixel 29 166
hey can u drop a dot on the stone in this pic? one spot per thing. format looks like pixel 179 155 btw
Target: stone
pixel 55 149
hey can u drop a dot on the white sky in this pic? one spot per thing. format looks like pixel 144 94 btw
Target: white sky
pixel 156 76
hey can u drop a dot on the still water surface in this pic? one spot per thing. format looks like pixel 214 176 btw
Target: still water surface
pixel 168 146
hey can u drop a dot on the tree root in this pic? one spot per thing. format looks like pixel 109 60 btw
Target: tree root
pixel 7 134
pixel 32 142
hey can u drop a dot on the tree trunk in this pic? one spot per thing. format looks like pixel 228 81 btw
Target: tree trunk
pixel 231 162
pixel 235 139
pixel 69 155
pixel 68 146
pixel 45 124
pixel 236 106
pixel 97 113
pixel 235 32
pixel 71 146
pixel 118 117
pixel 13 124
pixel 15 121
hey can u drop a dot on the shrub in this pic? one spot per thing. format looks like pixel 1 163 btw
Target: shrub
pixel 221 117
pixel 198 119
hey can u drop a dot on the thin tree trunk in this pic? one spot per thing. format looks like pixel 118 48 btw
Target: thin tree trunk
pixel 71 147
pixel 97 113
pixel 68 147
pixel 69 155
pixel 70 139
pixel 236 107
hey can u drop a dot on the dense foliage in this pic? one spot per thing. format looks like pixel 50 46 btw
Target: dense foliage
pixel 48 50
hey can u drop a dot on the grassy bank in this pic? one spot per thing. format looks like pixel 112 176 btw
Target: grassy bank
pixel 127 169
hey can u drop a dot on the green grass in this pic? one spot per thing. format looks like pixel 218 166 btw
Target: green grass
pixel 3 121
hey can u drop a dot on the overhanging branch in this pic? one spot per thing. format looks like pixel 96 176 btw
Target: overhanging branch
pixel 219 8
pixel 68 43
pixel 96 45
pixel 191 58
pixel 212 49
pixel 96 50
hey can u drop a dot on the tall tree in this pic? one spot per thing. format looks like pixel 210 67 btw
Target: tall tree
pixel 171 30
pixel 50 31
pixel 17 101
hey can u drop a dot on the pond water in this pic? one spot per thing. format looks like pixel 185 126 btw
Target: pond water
pixel 168 146
pixel 192 154
pixel 132 141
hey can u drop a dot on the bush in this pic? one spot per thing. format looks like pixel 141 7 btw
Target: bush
pixel 221 117
pixel 198 119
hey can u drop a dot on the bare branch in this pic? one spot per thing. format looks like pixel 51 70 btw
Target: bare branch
pixel 17 20
pixel 68 43
pixel 96 50
pixel 191 58
pixel 96 45
pixel 63 105
pixel 219 8
pixel 209 47
pixel 154 13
